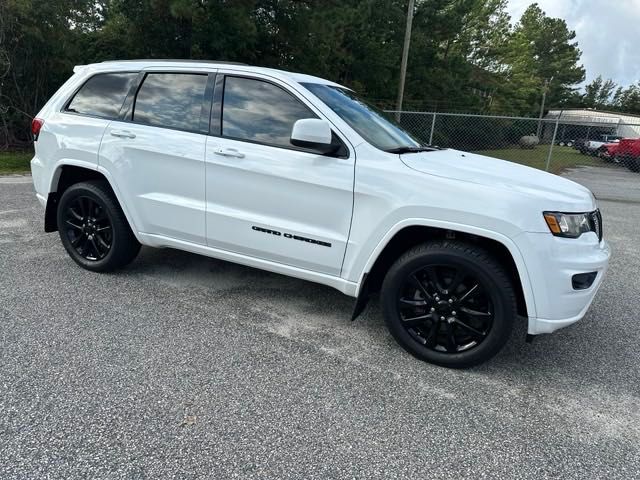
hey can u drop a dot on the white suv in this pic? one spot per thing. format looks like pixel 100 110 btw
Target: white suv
pixel 296 175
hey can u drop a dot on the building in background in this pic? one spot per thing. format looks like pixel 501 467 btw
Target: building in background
pixel 577 123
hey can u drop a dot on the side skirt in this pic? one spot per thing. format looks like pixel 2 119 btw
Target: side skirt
pixel 340 284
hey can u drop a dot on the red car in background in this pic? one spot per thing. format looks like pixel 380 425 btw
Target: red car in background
pixel 627 152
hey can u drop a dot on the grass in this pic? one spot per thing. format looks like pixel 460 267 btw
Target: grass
pixel 15 162
pixel 561 157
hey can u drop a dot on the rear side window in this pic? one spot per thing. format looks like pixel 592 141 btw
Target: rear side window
pixel 260 112
pixel 172 100
pixel 102 95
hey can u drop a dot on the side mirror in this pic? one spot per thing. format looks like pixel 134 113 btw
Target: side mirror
pixel 314 134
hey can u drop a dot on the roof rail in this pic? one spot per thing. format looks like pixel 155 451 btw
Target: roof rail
pixel 180 60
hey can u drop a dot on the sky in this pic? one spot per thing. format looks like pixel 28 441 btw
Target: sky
pixel 607 31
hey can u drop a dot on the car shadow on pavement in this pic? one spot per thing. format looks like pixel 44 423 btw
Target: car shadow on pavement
pixel 319 316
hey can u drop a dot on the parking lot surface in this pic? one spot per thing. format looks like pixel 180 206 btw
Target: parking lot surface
pixel 182 366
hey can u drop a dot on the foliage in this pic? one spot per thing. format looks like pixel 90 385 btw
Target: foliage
pixel 627 99
pixel 465 55
pixel 554 52
pixel 606 95
pixel 598 93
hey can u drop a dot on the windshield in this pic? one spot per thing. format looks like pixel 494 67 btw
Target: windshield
pixel 365 119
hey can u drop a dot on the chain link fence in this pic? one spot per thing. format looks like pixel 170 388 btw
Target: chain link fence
pixel 552 144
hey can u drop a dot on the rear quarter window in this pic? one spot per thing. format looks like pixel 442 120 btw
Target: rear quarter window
pixel 102 95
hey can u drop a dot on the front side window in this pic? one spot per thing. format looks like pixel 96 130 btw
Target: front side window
pixel 363 118
pixel 102 95
pixel 259 111
pixel 171 100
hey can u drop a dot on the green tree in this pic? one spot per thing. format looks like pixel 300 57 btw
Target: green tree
pixel 465 55
pixel 598 93
pixel 627 99
pixel 552 52
pixel 40 41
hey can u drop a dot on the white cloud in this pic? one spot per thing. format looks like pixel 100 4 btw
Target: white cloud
pixel 607 31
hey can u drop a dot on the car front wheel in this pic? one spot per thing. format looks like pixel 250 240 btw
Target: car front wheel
pixel 93 228
pixel 449 303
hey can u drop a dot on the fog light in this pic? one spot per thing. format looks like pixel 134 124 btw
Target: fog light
pixel 582 281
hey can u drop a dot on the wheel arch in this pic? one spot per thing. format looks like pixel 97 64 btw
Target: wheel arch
pixel 413 232
pixel 67 174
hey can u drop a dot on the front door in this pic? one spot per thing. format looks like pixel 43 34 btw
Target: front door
pixel 265 197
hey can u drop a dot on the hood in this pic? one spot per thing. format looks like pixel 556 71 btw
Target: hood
pixel 495 173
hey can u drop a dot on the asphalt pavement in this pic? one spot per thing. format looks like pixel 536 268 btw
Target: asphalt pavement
pixel 182 366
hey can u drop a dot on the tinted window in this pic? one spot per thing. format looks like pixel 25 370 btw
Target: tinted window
pixel 363 118
pixel 260 111
pixel 171 100
pixel 102 95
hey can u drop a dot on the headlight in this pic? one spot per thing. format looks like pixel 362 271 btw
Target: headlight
pixel 570 225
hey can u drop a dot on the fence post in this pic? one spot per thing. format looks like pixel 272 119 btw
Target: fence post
pixel 433 124
pixel 553 141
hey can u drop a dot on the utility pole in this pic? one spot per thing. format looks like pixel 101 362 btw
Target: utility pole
pixel 544 97
pixel 405 57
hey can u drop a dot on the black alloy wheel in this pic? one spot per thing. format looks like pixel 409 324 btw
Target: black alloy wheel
pixel 93 228
pixel 88 228
pixel 445 308
pixel 449 302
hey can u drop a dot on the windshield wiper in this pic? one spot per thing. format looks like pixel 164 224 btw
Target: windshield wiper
pixel 408 149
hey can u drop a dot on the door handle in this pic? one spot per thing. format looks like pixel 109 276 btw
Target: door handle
pixel 123 134
pixel 229 152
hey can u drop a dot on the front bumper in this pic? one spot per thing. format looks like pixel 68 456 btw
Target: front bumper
pixel 551 264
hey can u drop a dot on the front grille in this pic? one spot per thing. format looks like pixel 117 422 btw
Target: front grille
pixel 595 219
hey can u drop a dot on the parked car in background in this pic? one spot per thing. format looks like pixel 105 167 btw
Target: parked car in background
pixel 591 147
pixel 298 175
pixel 628 153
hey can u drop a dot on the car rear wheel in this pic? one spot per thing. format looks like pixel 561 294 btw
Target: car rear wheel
pixel 449 303
pixel 93 228
pixel 633 164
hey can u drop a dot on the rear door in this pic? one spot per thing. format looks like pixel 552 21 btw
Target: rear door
pixel 156 153
pixel 78 128
pixel 267 198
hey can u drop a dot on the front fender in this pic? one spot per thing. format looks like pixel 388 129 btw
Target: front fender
pixel 365 260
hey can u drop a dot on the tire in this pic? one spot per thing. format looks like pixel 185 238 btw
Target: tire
pixel 418 310
pixel 602 155
pixel 569 144
pixel 93 228
pixel 633 164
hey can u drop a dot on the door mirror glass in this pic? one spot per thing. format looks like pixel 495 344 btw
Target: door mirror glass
pixel 313 133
